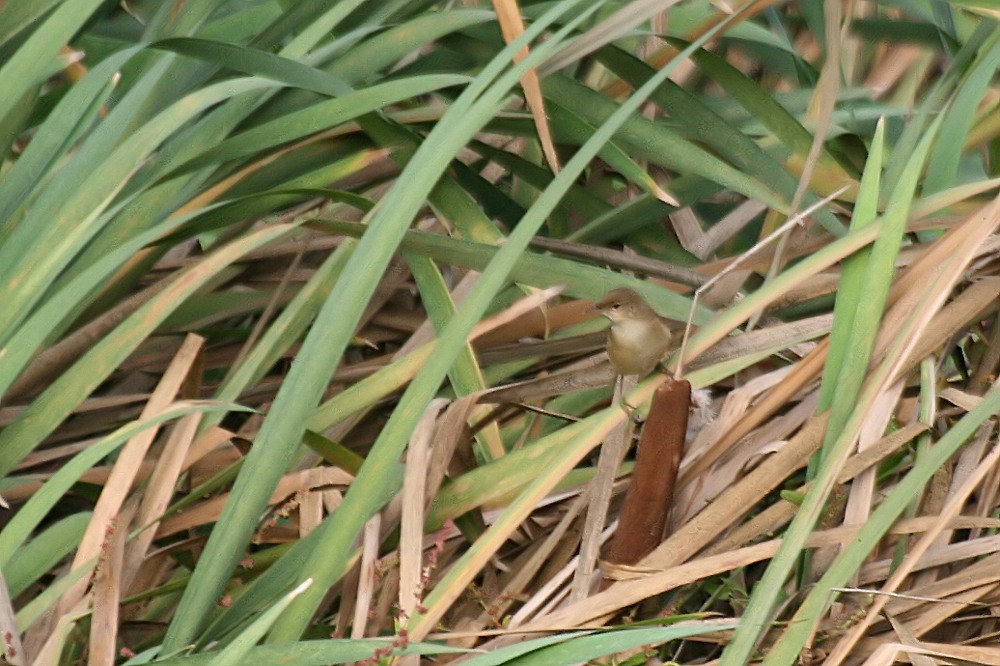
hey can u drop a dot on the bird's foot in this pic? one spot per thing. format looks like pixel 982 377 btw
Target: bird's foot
pixel 631 411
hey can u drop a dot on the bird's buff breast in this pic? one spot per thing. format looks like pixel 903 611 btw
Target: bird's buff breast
pixel 636 347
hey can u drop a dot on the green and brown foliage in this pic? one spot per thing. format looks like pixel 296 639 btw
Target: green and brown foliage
pixel 263 263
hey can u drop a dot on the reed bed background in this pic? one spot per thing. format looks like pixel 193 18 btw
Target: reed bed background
pixel 268 268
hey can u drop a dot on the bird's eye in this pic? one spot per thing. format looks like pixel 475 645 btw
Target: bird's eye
pixel 616 306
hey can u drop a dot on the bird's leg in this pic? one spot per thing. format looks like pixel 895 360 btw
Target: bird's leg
pixel 619 393
pixel 619 397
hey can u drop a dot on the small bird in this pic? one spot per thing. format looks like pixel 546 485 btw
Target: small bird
pixel 638 339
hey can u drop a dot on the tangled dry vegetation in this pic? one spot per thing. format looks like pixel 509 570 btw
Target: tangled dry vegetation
pixel 298 366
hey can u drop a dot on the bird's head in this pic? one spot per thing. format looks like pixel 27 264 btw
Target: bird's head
pixel 623 304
